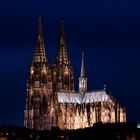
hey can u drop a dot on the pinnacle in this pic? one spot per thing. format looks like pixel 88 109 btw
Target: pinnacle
pixel 40 49
pixel 62 57
pixel 83 74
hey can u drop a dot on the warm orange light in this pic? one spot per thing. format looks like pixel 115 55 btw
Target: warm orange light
pixel 61 136
pixel 66 71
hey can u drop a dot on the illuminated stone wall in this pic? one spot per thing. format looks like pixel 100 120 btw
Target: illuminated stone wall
pixel 50 97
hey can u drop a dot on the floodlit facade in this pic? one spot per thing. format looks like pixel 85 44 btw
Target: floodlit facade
pixel 51 100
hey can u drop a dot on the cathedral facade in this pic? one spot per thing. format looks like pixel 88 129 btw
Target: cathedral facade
pixel 51 100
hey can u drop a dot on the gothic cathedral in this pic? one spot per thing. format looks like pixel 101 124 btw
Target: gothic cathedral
pixel 51 100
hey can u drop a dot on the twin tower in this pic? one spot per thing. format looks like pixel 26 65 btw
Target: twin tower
pixel 45 79
pixel 51 100
pixel 58 76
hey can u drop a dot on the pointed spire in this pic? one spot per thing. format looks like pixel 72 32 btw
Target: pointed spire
pixel 40 49
pixel 62 57
pixel 61 34
pixel 83 74
pixel 40 32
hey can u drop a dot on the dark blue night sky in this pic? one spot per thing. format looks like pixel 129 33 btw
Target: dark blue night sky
pixel 107 31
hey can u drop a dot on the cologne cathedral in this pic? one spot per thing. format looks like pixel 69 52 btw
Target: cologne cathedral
pixel 51 100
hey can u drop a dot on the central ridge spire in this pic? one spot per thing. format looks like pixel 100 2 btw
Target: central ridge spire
pixel 83 74
pixel 39 55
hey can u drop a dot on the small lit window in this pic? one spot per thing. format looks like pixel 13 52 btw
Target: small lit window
pixel 32 71
pixel 66 71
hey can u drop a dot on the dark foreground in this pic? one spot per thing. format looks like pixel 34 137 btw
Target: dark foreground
pixel 119 131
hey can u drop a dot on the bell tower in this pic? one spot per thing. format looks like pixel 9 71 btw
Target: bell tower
pixel 82 78
pixel 37 84
pixel 63 71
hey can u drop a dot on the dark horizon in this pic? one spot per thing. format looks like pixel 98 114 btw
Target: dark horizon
pixel 108 33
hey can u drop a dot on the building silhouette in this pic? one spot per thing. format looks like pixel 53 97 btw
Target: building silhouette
pixel 51 100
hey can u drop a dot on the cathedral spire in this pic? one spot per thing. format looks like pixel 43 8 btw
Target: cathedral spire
pixel 39 55
pixel 62 57
pixel 63 68
pixel 83 74
pixel 61 34
pixel 82 78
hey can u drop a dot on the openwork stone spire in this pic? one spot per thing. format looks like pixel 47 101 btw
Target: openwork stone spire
pixel 83 74
pixel 62 57
pixel 82 78
pixel 39 55
pixel 51 101
pixel 63 69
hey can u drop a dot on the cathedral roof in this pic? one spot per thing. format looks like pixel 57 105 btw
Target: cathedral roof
pixel 89 97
